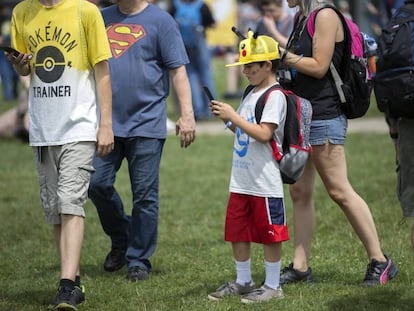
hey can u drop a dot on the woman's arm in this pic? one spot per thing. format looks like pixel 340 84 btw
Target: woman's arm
pixel 328 31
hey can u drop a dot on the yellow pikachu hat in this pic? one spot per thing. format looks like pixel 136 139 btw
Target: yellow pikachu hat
pixel 257 49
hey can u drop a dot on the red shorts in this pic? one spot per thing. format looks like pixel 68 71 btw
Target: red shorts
pixel 255 219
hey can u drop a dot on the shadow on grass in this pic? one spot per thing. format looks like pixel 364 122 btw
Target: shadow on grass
pixel 377 299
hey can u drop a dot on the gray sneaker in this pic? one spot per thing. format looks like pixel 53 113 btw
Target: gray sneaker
pixel 231 289
pixel 261 294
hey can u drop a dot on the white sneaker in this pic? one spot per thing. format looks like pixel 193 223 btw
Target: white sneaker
pixel 261 294
pixel 231 289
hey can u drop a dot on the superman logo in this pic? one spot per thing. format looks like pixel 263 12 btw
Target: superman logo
pixel 122 36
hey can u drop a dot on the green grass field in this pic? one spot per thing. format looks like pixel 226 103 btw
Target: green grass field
pixel 192 259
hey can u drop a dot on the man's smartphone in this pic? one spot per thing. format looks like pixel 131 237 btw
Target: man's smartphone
pixel 10 50
pixel 208 93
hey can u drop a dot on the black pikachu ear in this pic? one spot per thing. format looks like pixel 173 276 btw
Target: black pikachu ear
pixel 238 33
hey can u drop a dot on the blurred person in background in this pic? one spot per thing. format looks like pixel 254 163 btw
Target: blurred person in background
pixel 276 21
pixel 15 121
pixel 379 12
pixel 193 18
pixel 248 15
pixel 9 77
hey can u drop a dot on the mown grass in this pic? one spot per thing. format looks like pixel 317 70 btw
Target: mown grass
pixel 192 258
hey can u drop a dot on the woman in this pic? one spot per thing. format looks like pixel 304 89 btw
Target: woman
pixel 309 60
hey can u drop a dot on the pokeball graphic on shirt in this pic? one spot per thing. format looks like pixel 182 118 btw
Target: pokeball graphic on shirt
pixel 49 64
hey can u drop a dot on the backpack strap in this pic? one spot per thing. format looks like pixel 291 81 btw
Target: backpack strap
pixel 347 34
pixel 247 90
pixel 298 27
pixel 311 22
pixel 348 46
pixel 261 101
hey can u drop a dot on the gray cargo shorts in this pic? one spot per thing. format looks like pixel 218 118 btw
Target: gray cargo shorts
pixel 64 173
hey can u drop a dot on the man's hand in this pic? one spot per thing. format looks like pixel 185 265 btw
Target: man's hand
pixel 186 128
pixel 105 141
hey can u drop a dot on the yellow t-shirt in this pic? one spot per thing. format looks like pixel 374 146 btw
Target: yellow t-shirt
pixel 66 41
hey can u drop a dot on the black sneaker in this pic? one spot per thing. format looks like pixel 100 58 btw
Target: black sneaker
pixel 115 260
pixel 137 274
pixel 291 275
pixel 68 299
pixel 78 294
pixel 379 272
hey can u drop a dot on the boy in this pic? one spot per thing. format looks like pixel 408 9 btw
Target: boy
pixel 255 210
pixel 70 108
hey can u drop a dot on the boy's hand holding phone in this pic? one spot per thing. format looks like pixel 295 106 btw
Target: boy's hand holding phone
pixel 19 60
pixel 208 93
pixel 10 51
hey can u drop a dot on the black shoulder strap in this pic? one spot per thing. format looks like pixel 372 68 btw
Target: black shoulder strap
pixel 261 102
pixel 247 90
pixel 298 27
pixel 347 40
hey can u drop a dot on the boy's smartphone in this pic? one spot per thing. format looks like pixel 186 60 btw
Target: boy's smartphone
pixel 10 50
pixel 208 93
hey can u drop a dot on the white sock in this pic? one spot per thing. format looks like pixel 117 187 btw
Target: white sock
pixel 244 274
pixel 272 274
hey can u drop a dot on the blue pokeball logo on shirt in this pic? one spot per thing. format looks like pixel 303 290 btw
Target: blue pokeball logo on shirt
pixel 49 64
pixel 243 141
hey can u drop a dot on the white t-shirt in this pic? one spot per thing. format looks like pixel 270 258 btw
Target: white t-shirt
pixel 254 170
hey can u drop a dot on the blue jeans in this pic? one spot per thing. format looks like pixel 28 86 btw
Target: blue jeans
pixel 136 233
pixel 199 74
pixel 9 78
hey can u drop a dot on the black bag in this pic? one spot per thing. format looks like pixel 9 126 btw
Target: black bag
pixel 394 92
pixel 357 90
pixel 354 87
pixel 394 82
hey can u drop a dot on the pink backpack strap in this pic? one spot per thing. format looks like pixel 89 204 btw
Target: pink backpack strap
pixel 356 45
pixel 311 22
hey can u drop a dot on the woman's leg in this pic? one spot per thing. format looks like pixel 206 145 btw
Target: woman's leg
pixel 303 227
pixel 330 163
pixel 304 220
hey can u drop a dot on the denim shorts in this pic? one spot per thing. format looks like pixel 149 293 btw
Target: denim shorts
pixel 332 130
